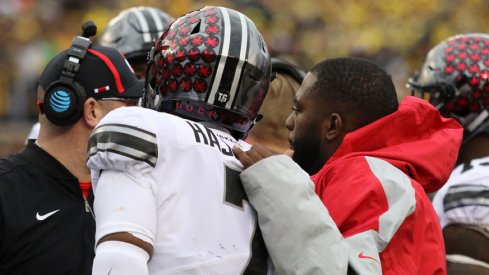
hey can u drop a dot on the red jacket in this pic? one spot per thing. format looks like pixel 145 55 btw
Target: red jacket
pixel 365 194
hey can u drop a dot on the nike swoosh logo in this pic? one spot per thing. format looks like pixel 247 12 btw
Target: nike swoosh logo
pixel 45 216
pixel 361 256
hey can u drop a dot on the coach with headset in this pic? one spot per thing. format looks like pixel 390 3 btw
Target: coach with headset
pixel 46 220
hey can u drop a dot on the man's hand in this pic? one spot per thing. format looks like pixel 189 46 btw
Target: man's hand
pixel 255 154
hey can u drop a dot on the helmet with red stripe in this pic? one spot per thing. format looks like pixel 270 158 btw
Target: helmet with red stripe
pixel 455 79
pixel 210 65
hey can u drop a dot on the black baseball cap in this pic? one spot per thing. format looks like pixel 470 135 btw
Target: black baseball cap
pixel 103 73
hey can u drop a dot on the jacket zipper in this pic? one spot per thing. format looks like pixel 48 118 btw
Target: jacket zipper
pixel 88 209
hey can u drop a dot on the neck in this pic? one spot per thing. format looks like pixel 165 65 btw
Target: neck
pixel 69 148
pixel 477 147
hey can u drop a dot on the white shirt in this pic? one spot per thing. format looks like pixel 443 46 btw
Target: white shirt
pixel 465 197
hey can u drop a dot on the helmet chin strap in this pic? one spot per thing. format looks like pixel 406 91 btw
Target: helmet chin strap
pixel 256 120
pixel 478 120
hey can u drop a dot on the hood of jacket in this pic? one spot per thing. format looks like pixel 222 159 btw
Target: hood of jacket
pixel 416 139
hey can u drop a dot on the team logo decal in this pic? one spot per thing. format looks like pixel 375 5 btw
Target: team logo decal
pixel 194 54
pixel 170 34
pixel 101 89
pixel 173 85
pixel 180 22
pixel 189 69
pixel 211 19
pixel 222 97
pixel 180 55
pixel 186 84
pixel 184 30
pixel 184 41
pixel 200 86
pixel 169 58
pixel 212 29
pixel 211 42
pixel 197 40
pixel 208 55
pixel 173 44
pixel 60 101
pixel 475 57
pixel 204 71
pixel 193 20
pixel 210 11
pixel 166 73
pixel 177 70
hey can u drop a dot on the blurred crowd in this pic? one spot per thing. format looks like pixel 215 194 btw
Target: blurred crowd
pixel 394 34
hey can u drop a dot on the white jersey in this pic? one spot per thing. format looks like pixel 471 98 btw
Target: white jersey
pixel 464 199
pixel 175 184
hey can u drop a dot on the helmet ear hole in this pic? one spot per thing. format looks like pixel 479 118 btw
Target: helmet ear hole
pixel 196 29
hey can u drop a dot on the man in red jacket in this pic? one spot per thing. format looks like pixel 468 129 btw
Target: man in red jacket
pixel 372 162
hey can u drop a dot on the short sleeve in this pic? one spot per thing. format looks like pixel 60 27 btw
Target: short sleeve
pixel 123 141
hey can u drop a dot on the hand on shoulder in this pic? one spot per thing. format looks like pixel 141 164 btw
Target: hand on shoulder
pixel 256 153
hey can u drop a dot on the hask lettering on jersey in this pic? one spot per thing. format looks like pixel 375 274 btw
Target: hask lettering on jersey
pixel 206 136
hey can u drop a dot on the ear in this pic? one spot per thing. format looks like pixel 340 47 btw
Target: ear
pixel 91 112
pixel 334 125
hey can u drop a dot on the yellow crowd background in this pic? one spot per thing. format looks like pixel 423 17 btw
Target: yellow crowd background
pixel 395 34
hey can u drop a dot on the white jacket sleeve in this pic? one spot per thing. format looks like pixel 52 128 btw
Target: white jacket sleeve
pixel 300 235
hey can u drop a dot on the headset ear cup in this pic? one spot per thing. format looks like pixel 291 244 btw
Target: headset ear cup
pixel 63 102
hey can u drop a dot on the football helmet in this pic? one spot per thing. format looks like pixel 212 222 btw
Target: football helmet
pixel 454 78
pixel 134 30
pixel 210 65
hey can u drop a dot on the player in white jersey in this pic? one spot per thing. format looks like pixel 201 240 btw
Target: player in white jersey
pixel 167 194
pixel 464 198
pixel 455 79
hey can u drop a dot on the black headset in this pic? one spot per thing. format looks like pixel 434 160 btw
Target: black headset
pixel 64 98
pixel 284 67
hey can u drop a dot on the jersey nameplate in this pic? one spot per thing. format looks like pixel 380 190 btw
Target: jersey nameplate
pixel 206 136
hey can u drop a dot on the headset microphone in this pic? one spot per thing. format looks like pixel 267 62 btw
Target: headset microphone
pixel 89 29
